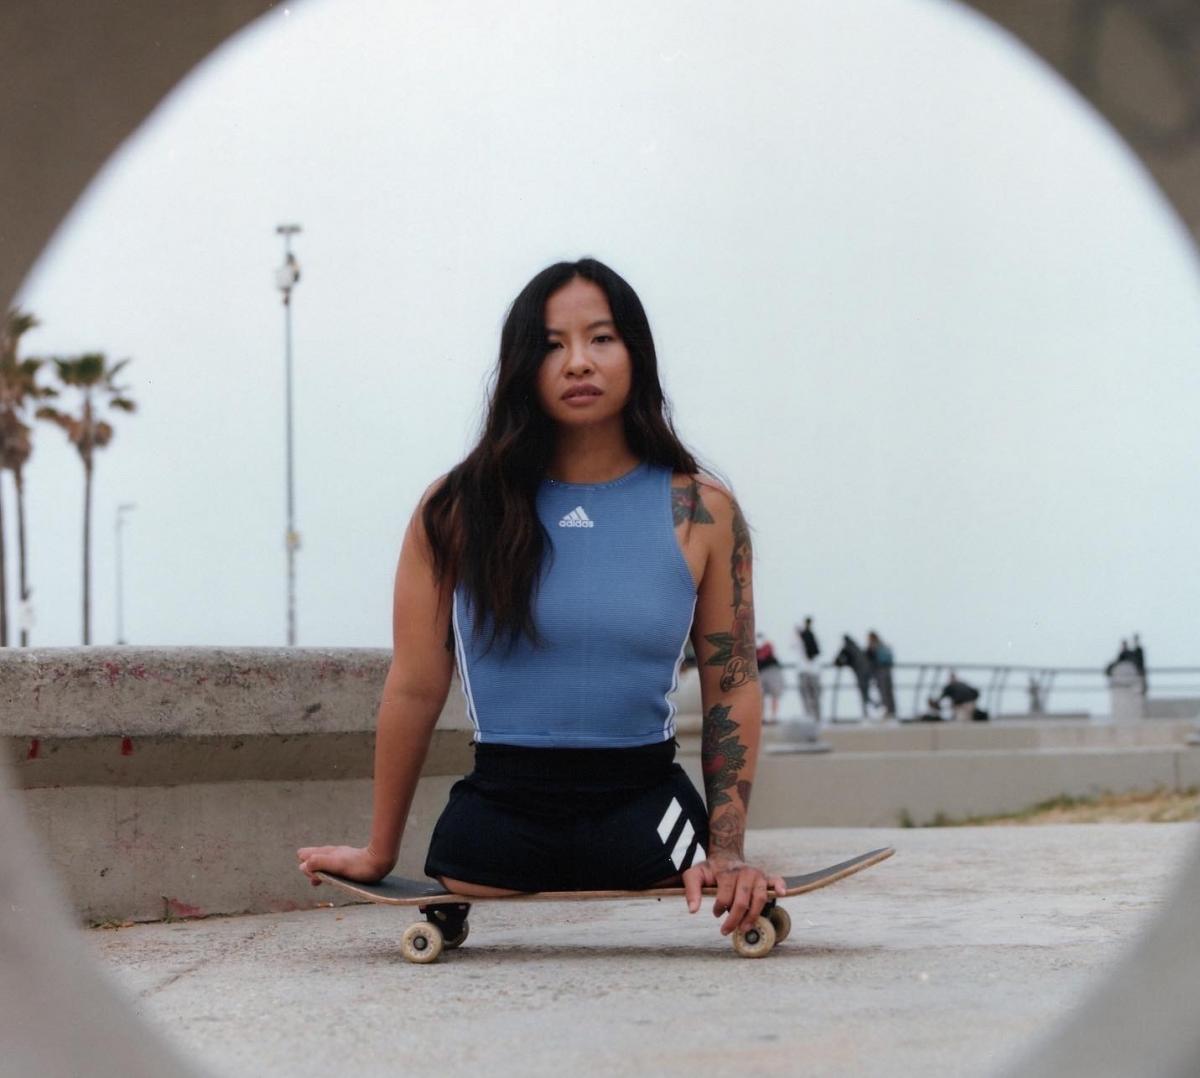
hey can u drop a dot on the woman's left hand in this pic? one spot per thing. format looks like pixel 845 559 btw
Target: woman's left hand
pixel 741 890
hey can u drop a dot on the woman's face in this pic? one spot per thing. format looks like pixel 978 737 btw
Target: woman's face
pixel 586 376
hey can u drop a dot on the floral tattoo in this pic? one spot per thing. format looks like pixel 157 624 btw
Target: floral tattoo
pixel 686 504
pixel 734 650
pixel 727 833
pixel 722 755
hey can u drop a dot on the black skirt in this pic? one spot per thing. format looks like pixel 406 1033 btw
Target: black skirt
pixel 570 820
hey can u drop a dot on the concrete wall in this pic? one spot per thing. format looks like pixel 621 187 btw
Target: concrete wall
pixel 179 781
pixel 1029 734
pixel 145 853
pixel 168 782
pixel 883 789
pixel 1173 708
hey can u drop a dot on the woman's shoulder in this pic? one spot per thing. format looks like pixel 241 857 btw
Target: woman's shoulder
pixel 701 498
pixel 419 521
pixel 428 494
pixel 432 489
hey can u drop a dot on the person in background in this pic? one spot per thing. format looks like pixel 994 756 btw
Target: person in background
pixel 879 655
pixel 962 699
pixel 1123 672
pixel 933 711
pixel 810 672
pixel 1036 704
pixel 770 676
pixel 1125 656
pixel 854 657
pixel 1138 655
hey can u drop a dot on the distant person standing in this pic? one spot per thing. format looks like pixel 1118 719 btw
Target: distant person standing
pixel 1138 655
pixel 854 657
pixel 1126 683
pixel 770 676
pixel 962 699
pixel 1036 705
pixel 810 672
pixel 879 655
pixel 1124 664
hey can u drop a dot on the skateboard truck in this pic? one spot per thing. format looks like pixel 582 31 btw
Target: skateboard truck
pixel 449 925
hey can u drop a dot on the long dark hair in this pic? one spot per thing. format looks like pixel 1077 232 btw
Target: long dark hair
pixel 482 521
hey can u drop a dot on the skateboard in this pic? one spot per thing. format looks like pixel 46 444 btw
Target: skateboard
pixel 445 926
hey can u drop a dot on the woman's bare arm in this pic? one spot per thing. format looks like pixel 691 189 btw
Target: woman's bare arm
pixel 723 638
pixel 413 697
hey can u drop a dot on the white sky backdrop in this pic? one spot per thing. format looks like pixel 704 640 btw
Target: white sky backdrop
pixel 919 304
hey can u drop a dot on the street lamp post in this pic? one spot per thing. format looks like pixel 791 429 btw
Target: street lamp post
pixel 122 509
pixel 286 278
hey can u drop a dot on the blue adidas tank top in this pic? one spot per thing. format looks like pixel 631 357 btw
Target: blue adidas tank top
pixel 614 609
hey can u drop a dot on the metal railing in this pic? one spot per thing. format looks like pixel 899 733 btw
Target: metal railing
pixel 1004 688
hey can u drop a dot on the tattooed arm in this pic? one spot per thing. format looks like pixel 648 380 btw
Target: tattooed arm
pixel 723 637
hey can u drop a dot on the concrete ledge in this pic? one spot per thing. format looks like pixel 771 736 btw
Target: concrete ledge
pixel 1173 708
pixel 169 716
pixel 883 789
pixel 137 852
pixel 143 853
pixel 178 782
pixel 138 692
pixel 172 761
pixel 1008 735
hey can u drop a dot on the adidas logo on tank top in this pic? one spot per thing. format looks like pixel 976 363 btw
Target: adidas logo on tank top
pixel 576 518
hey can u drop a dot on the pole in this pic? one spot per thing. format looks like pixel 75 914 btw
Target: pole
pixel 120 586
pixel 287 277
pixel 122 509
pixel 290 536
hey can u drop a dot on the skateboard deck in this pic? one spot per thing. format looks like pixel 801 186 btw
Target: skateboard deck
pixel 424 941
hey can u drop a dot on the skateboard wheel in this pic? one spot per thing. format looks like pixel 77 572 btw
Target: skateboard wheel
pixel 460 939
pixel 422 942
pixel 781 921
pixel 755 942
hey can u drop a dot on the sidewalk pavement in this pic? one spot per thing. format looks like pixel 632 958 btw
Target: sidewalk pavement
pixel 945 960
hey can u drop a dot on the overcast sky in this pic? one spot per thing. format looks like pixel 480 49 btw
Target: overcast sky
pixel 917 303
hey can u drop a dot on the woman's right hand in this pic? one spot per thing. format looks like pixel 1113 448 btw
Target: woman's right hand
pixel 349 861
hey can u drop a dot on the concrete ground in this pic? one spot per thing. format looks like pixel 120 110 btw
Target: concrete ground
pixel 944 960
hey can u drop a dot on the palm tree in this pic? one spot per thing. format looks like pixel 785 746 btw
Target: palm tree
pixel 15 324
pixel 18 387
pixel 95 381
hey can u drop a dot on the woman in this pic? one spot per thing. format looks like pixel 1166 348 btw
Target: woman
pixel 562 566
pixel 879 655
